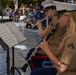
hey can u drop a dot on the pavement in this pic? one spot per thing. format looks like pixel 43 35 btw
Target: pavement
pixel 21 50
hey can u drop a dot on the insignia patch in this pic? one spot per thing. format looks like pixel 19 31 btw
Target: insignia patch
pixel 71 46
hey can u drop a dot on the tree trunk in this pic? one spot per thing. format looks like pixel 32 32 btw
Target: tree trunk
pixel 15 4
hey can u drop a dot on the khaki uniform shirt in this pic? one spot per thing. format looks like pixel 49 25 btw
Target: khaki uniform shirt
pixel 67 53
pixel 56 38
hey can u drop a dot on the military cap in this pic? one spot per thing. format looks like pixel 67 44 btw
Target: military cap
pixel 63 7
pixel 47 3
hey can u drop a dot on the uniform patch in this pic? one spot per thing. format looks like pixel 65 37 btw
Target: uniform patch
pixel 71 46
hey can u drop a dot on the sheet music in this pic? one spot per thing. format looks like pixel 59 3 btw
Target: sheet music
pixel 15 31
pixel 10 34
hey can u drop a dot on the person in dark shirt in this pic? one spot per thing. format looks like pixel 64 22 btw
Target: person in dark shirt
pixel 1 13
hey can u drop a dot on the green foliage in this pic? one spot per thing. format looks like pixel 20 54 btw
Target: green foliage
pixel 5 3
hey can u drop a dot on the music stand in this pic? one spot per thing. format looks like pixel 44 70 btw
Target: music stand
pixel 9 37
pixel 5 47
pixel 13 66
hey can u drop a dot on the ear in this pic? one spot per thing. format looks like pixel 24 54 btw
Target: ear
pixel 69 16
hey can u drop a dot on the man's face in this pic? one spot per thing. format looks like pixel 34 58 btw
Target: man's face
pixel 50 12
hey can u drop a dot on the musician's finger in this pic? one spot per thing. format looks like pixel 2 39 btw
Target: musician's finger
pixel 43 40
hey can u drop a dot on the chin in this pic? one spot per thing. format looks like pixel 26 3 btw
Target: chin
pixel 61 25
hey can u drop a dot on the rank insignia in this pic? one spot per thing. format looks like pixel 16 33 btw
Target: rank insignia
pixel 71 46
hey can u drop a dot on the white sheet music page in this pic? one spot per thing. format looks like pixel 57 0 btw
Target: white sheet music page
pixel 16 32
pixel 10 35
pixel 7 36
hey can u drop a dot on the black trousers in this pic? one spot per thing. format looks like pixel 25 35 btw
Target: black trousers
pixel 37 60
pixel 44 71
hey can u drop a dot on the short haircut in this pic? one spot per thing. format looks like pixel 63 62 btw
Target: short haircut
pixel 50 7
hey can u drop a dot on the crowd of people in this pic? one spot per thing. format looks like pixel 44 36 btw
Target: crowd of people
pixel 27 14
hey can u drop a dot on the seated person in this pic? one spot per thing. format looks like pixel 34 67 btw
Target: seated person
pixel 54 40
pixel 1 13
pixel 64 59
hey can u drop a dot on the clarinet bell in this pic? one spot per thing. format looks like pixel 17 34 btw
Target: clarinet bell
pixel 24 67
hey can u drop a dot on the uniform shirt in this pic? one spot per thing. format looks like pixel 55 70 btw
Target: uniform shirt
pixel 56 38
pixel 67 53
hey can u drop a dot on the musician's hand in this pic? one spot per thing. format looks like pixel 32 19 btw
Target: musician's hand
pixel 38 23
pixel 44 46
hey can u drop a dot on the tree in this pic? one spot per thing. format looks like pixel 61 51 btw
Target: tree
pixel 5 3
pixel 15 4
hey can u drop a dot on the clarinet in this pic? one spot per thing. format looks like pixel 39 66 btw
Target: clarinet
pixel 35 51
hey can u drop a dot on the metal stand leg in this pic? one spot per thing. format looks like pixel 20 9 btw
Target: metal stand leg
pixel 8 62
pixel 13 67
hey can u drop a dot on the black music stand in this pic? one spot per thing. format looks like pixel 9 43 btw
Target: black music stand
pixel 9 37
pixel 5 47
pixel 13 66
